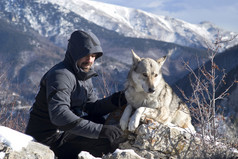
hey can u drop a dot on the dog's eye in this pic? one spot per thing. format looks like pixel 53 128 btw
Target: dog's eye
pixel 145 75
pixel 156 75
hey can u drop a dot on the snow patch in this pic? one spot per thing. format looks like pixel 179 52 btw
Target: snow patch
pixel 87 155
pixel 132 152
pixel 13 138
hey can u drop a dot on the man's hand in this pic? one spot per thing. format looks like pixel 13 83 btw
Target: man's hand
pixel 111 132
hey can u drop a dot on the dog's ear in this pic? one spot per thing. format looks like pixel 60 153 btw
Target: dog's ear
pixel 135 57
pixel 162 60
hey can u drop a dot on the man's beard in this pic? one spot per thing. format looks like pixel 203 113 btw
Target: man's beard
pixel 86 66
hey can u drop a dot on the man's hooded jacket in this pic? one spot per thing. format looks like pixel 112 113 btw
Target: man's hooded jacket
pixel 65 88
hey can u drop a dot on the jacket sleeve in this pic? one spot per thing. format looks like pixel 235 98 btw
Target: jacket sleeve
pixel 98 107
pixel 58 91
pixel 101 107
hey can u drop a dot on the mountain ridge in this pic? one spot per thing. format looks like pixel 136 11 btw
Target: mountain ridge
pixel 129 22
pixel 140 24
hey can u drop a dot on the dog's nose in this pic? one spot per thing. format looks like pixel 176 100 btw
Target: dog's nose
pixel 151 90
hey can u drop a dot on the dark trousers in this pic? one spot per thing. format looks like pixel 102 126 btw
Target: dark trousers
pixel 72 145
pixel 69 145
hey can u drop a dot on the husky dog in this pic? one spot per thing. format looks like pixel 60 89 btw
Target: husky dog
pixel 151 97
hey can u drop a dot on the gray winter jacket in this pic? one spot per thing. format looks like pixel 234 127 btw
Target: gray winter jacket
pixel 65 88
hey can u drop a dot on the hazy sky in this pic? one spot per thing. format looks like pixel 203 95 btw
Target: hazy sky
pixel 223 13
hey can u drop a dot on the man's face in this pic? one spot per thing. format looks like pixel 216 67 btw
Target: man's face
pixel 86 62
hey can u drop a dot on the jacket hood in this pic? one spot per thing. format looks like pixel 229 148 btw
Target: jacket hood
pixel 82 43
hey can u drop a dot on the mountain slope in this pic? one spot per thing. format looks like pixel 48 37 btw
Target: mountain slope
pixel 24 57
pixel 137 23
pixel 56 23
pixel 226 61
pixel 228 106
pixel 126 21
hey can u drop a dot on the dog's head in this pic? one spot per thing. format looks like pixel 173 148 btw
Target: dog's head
pixel 146 72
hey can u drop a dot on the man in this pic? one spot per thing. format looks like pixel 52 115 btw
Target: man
pixel 67 115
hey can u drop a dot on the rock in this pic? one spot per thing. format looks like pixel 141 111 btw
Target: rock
pixel 155 140
pixel 16 145
pixel 118 154
pixel 123 154
pixel 158 137
pixel 33 150
pixel 14 139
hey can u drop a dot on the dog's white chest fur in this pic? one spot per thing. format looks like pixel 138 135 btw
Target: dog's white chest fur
pixel 141 99
pixel 136 101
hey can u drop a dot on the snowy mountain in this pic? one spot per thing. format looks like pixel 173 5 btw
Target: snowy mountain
pixel 137 23
pixel 126 21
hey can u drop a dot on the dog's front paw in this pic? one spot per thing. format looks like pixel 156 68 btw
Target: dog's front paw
pixel 133 124
pixel 125 117
pixel 123 124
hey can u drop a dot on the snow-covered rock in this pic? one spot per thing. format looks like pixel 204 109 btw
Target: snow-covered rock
pixel 86 155
pixel 118 154
pixel 123 154
pixel 13 138
pixel 16 145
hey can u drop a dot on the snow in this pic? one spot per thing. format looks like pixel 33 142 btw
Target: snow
pixel 129 22
pixel 140 24
pixel 90 9
pixel 2 155
pixel 13 138
pixel 132 152
pixel 85 154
